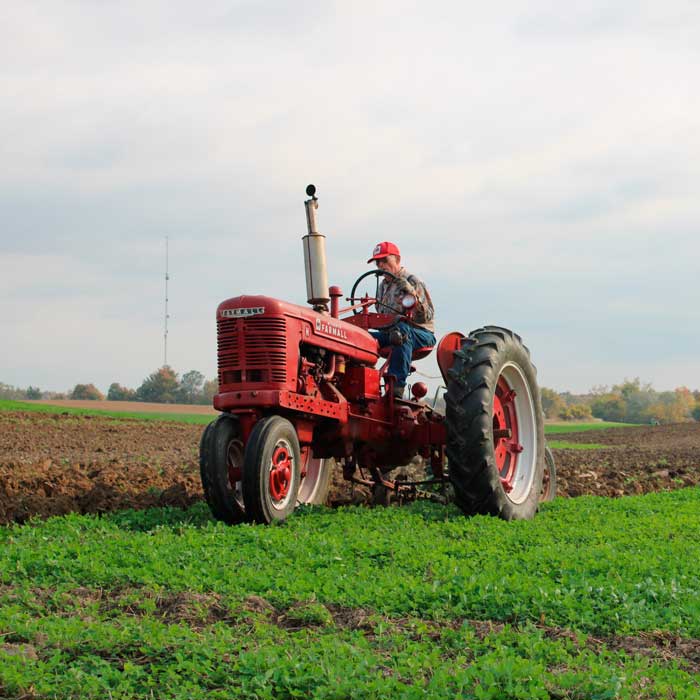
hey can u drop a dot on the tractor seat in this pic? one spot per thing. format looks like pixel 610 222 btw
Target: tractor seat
pixel 420 353
pixel 417 354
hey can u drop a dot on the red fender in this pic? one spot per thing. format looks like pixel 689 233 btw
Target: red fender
pixel 446 349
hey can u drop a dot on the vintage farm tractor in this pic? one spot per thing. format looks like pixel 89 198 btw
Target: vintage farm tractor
pixel 300 394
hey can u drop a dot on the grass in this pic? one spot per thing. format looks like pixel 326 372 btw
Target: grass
pixel 407 602
pixel 565 445
pixel 198 419
pixel 554 428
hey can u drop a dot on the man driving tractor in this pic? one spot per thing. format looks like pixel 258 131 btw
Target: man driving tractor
pixel 402 293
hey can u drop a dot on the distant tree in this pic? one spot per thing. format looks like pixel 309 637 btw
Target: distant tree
pixel 160 387
pixel 662 413
pixel 190 386
pixel 610 407
pixel 117 392
pixel 695 413
pixel 637 398
pixel 577 411
pixel 10 393
pixel 582 411
pixel 552 403
pixel 210 388
pixel 567 398
pixel 672 406
pixel 87 391
pixel 686 400
pixel 566 414
pixel 13 393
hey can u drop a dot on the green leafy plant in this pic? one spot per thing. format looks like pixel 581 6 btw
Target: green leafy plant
pixel 410 602
pixel 566 445
pixel 199 419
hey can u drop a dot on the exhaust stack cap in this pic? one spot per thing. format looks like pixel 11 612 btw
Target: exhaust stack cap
pixel 310 190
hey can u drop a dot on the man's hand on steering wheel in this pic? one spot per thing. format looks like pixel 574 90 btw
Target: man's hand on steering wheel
pixel 407 303
pixel 377 273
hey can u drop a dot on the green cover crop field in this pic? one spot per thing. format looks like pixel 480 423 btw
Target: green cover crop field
pixel 125 595
pixel 595 598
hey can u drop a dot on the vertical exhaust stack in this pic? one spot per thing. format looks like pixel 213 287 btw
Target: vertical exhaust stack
pixel 315 257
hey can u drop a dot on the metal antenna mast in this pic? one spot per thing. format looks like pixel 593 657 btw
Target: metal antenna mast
pixel 167 316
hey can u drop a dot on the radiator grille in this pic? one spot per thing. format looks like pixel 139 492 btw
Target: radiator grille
pixel 252 350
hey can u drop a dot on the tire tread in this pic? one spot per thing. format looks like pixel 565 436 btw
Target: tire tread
pixel 469 448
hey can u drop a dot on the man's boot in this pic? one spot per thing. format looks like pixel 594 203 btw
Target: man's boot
pixel 398 392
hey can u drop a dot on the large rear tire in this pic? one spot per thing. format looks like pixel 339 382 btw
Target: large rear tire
pixel 271 470
pixel 495 430
pixel 221 469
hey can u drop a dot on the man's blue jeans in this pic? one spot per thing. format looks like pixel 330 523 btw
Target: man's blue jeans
pixel 400 362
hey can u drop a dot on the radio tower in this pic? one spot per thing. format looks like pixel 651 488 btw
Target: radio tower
pixel 167 316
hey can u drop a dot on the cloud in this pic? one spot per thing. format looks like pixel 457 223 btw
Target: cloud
pixel 536 165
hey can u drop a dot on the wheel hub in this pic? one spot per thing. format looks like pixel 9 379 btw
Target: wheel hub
pixel 280 473
pixel 507 447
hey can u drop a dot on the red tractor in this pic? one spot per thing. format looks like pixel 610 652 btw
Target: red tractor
pixel 300 392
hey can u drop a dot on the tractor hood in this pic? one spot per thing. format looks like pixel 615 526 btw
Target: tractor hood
pixel 312 327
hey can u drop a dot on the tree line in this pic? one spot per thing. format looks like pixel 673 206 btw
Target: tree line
pixel 162 386
pixel 629 402
pixel 632 401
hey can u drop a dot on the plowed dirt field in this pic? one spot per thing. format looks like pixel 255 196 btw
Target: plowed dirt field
pixel 57 463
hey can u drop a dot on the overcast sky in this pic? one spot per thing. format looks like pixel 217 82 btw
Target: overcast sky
pixel 537 163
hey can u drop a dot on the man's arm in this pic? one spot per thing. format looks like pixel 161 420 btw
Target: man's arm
pixel 424 304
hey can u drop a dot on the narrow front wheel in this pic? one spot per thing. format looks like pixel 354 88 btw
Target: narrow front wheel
pixel 221 468
pixel 271 470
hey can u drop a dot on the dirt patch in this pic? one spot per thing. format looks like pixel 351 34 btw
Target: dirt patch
pixel 51 464
pixel 635 460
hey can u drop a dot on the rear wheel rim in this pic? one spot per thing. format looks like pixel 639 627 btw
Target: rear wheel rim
pixel 514 433
pixel 281 471
pixel 546 483
pixel 311 475
pixel 548 477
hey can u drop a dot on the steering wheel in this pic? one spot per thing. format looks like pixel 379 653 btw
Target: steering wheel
pixel 377 274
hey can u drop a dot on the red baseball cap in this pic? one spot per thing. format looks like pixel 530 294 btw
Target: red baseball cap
pixel 381 250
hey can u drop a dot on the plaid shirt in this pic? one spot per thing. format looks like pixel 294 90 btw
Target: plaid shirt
pixel 391 291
